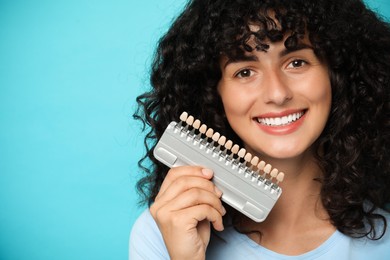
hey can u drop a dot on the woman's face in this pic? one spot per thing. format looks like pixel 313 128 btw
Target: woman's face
pixel 277 101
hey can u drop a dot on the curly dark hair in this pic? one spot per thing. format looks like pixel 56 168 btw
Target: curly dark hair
pixel 349 37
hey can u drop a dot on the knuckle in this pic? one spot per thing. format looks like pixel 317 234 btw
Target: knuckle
pixel 182 182
pixel 153 209
pixel 195 193
pixel 170 174
pixel 176 220
pixel 161 216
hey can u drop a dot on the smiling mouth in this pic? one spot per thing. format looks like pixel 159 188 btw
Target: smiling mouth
pixel 280 121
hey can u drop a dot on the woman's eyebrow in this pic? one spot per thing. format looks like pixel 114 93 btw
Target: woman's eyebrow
pixel 299 47
pixel 283 53
pixel 241 59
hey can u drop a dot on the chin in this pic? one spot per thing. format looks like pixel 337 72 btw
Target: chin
pixel 283 153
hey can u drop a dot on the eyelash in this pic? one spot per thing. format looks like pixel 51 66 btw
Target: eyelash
pixel 300 61
pixel 239 74
pixel 297 63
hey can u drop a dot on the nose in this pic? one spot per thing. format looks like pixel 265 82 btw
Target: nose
pixel 275 88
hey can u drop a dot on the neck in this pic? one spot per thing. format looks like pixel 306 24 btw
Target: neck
pixel 300 199
pixel 299 211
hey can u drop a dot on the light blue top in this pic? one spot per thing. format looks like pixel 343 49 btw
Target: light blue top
pixel 146 242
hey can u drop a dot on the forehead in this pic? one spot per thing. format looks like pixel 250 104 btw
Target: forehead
pixel 275 51
pixel 285 44
pixel 257 35
pixel 247 26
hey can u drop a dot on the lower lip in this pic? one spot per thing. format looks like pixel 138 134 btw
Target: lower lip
pixel 284 129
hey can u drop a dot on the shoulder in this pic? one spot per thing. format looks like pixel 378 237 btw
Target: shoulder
pixel 381 225
pixel 384 226
pixel 230 244
pixel 374 248
pixel 146 241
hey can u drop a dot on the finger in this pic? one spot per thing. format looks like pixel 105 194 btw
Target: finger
pixel 181 171
pixel 206 212
pixel 162 209
pixel 193 197
pixel 187 219
pixel 184 183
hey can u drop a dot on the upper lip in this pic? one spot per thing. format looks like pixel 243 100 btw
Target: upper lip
pixel 280 114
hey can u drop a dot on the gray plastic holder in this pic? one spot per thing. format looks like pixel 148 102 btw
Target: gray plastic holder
pixel 243 189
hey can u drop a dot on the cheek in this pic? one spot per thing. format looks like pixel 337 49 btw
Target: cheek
pixel 236 102
pixel 318 90
pixel 324 96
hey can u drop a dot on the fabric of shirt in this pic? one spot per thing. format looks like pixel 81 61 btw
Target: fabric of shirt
pixel 146 242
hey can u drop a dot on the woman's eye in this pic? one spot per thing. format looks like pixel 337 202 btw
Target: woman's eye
pixel 297 64
pixel 245 73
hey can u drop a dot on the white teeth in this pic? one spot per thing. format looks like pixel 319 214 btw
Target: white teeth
pixel 279 121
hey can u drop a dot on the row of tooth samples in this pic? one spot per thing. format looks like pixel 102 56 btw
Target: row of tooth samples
pixel 229 149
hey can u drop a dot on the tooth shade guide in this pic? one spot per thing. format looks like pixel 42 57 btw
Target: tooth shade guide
pixel 188 123
pixel 214 139
pixel 183 116
pixel 261 165
pixel 241 153
pixel 196 124
pixel 209 133
pixel 220 145
pixel 267 169
pixel 216 136
pixel 192 147
pixel 226 147
pixel 190 120
pixel 222 141
pixel 274 173
pixel 203 129
pixel 254 162
pixel 279 177
pixel 248 158
pixel 229 144
pixel 234 150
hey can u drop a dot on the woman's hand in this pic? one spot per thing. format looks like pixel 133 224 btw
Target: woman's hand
pixel 184 208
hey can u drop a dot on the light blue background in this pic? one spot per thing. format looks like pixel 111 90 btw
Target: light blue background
pixel 69 74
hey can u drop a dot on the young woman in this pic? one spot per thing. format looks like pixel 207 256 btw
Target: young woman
pixel 303 85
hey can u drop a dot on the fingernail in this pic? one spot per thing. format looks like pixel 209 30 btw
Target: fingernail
pixel 207 172
pixel 218 191
pixel 223 211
